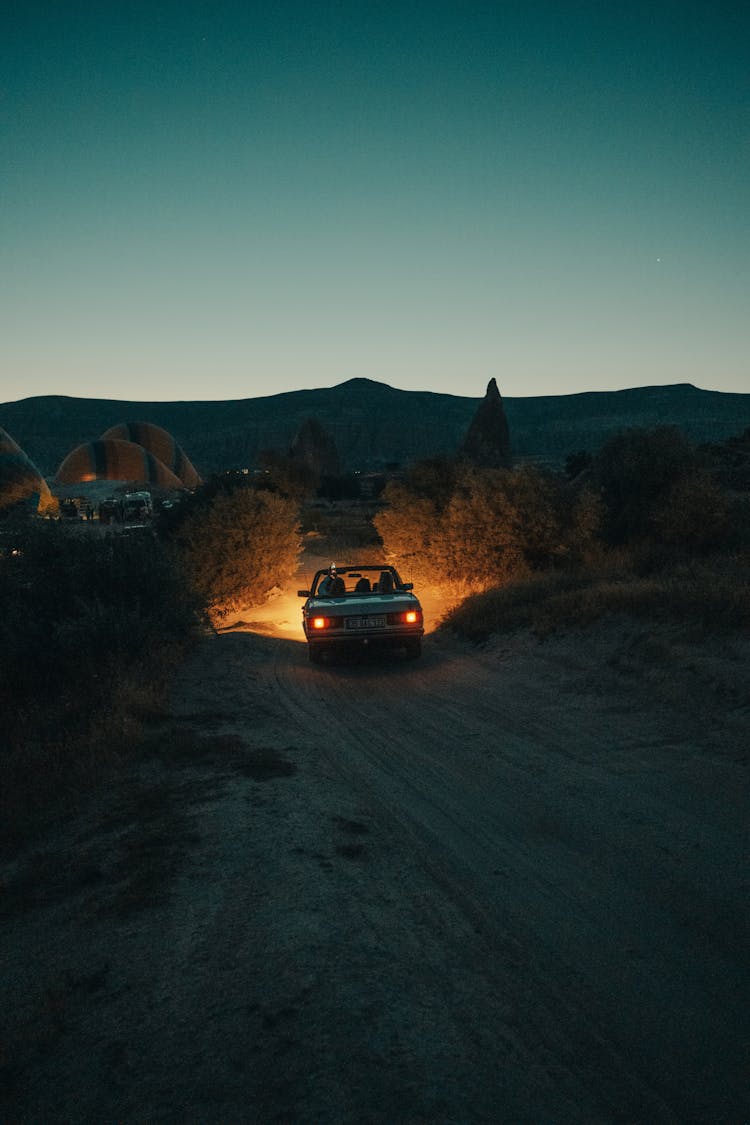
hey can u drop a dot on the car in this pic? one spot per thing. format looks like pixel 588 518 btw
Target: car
pixel 369 607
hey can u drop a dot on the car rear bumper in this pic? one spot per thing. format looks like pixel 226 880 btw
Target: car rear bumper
pixel 357 639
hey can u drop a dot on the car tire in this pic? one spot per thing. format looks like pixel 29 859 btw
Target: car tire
pixel 315 653
pixel 413 650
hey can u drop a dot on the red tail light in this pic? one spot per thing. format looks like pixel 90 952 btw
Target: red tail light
pixel 318 623
pixel 406 617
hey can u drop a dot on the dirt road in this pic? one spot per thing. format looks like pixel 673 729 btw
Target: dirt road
pixel 499 886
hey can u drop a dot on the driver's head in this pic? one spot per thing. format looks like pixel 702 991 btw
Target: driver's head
pixel 332 569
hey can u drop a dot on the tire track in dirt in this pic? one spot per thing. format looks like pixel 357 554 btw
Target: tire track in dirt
pixel 500 885
pixel 482 780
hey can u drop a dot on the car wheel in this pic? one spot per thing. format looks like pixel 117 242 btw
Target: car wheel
pixel 413 650
pixel 315 654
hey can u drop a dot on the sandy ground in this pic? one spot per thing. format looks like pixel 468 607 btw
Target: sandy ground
pixel 507 885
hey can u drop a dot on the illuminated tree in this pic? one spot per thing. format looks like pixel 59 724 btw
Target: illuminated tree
pixel 478 527
pixel 237 546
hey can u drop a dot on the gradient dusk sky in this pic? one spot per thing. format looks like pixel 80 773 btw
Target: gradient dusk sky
pixel 226 200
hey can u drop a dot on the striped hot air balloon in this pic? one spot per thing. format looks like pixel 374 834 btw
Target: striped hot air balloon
pixel 159 442
pixel 113 459
pixel 20 480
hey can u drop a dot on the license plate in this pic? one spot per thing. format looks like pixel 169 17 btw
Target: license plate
pixel 366 622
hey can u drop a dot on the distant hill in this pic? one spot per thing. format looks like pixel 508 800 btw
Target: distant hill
pixel 373 423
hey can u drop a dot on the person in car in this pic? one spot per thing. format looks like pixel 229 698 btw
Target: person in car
pixel 385 583
pixel 331 584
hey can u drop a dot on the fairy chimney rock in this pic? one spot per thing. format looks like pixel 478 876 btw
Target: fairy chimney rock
pixel 487 440
pixel 314 448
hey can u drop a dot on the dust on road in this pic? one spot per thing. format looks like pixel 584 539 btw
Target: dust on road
pixel 507 885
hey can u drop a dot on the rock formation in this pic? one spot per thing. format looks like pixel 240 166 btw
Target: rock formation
pixel 314 448
pixel 487 441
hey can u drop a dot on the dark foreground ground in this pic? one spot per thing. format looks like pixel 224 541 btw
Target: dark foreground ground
pixel 482 887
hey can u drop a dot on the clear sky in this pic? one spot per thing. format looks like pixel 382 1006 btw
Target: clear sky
pixel 223 200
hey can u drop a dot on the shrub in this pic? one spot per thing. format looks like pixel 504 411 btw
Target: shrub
pixel 635 472
pixel 481 527
pixel 234 546
pixel 577 463
pixel 89 630
pixel 712 594
pixel 409 525
pixel 693 513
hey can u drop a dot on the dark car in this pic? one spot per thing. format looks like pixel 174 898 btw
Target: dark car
pixel 367 606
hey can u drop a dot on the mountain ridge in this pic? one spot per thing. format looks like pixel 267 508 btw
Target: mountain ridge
pixel 373 423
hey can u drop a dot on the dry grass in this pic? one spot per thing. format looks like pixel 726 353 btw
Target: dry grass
pixel 712 594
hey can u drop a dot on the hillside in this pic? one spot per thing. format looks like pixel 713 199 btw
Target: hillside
pixel 373 423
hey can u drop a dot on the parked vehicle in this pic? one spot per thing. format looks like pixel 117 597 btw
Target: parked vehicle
pixel 357 607
pixel 137 508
